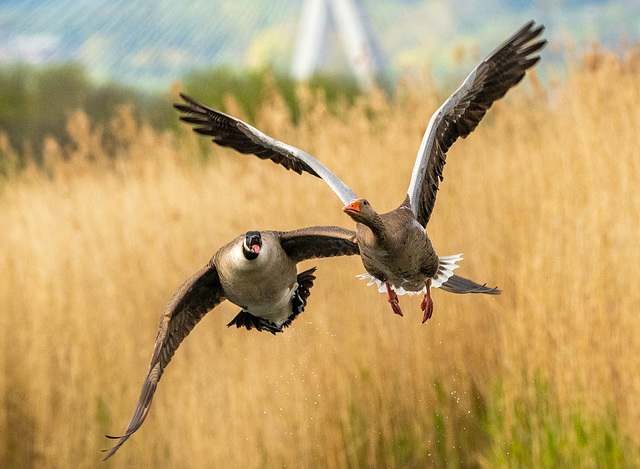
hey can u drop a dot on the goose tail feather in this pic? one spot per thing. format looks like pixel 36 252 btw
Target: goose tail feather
pixel 455 284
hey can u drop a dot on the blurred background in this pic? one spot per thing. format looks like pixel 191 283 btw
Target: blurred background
pixel 108 204
pixel 59 56
pixel 151 44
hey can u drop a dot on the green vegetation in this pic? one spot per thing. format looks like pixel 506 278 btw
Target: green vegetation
pixel 491 430
pixel 37 102
pixel 251 89
pixel 531 430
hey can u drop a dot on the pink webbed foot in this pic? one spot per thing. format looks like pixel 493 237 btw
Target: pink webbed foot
pixel 427 303
pixel 392 298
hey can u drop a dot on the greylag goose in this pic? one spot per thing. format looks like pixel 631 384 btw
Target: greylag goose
pixel 395 248
pixel 256 271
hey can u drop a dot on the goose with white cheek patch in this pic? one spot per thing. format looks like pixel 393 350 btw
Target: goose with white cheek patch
pixel 394 246
pixel 256 271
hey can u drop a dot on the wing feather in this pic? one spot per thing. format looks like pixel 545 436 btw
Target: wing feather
pixel 198 295
pixel 230 132
pixel 319 241
pixel 463 111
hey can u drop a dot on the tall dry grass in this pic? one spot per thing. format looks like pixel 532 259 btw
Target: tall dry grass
pixel 542 199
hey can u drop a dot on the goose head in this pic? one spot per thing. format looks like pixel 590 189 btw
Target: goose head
pixel 252 245
pixel 361 211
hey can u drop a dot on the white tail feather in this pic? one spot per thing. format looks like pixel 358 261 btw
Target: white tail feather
pixel 446 266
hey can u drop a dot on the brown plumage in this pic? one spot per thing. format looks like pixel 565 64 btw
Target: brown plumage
pixel 397 251
pixel 256 271
pixel 394 246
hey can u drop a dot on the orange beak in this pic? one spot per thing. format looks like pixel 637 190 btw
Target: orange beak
pixel 352 209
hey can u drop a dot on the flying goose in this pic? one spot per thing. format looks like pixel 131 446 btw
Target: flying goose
pixel 395 248
pixel 256 271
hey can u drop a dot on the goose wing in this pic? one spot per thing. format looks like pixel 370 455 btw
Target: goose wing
pixel 198 295
pixel 230 132
pixel 319 241
pixel 461 113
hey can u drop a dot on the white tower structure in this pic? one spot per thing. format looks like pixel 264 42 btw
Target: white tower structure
pixel 312 39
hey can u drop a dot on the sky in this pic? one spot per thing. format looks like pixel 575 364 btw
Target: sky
pixel 149 44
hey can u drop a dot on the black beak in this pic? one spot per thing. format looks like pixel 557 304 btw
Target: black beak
pixel 252 244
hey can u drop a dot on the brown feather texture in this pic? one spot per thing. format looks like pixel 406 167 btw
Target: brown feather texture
pixel 492 78
pixel 228 131
pixel 308 243
pixel 195 297
pixel 257 282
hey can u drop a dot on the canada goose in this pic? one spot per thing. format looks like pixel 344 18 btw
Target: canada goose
pixel 394 246
pixel 256 271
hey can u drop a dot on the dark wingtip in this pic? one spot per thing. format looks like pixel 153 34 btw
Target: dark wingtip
pixel 123 438
pixel 183 108
pixel 191 104
pixel 538 30
pixel 202 131
pixel 194 119
pixel 111 451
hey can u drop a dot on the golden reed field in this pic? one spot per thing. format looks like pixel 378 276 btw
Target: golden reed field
pixel 543 199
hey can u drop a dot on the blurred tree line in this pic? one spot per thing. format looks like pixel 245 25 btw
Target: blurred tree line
pixel 251 88
pixel 35 102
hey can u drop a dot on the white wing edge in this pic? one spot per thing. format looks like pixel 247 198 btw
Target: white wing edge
pixel 344 192
pixel 422 159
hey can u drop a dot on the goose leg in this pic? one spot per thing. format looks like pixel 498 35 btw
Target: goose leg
pixel 427 303
pixel 392 298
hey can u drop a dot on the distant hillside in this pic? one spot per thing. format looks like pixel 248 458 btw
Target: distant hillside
pixel 151 43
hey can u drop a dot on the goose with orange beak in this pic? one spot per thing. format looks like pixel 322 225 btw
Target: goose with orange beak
pixel 397 253
pixel 394 246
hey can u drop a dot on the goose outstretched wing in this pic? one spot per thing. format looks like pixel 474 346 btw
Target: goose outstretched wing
pixel 319 241
pixel 230 132
pixel 197 296
pixel 461 113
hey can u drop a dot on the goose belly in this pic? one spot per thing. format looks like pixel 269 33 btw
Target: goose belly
pixel 278 310
pixel 405 274
pixel 404 266
pixel 263 291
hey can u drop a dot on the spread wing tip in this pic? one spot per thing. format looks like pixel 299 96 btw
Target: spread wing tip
pixel 111 451
pixel 188 99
